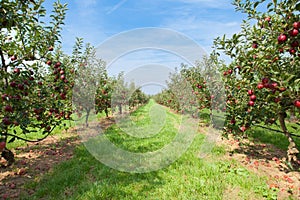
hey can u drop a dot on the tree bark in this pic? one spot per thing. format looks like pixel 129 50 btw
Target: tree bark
pixel 8 156
pixel 106 112
pixel 87 117
pixel 292 151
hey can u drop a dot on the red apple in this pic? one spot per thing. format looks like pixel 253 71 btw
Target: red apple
pixel 281 50
pixel 58 64
pixel 17 70
pixel 8 108
pixel 21 86
pixel 250 92
pixel 62 72
pixel 292 51
pixel 297 103
pixel 296 25
pixel 2 145
pixel 62 96
pixel 51 48
pixel 295 44
pixel 49 62
pixel 252 97
pixel 254 45
pixel 243 128
pixel 13 58
pixel 13 84
pixel 268 19
pixel 62 77
pixel 260 86
pixel 265 80
pixel 251 103
pixel 282 89
pixel 6 121
pixel 277 99
pixel 294 32
pixel 282 38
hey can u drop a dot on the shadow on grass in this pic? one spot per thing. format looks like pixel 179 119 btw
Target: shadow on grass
pixel 83 176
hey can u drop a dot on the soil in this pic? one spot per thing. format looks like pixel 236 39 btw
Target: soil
pixel 36 159
pixel 268 161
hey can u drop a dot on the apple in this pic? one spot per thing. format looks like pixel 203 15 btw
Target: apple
pixel 260 86
pixel 294 32
pixel 62 77
pixel 2 145
pixel 232 121
pixel 62 96
pixel 274 85
pixel 292 51
pixel 265 80
pixel 8 108
pixel 282 89
pixel 268 19
pixel 277 99
pixel 49 62
pixel 252 97
pixel 229 71
pixel 4 97
pixel 243 128
pixel 62 72
pixel 282 38
pixel 21 86
pixel 251 103
pixel 6 121
pixel 254 45
pixel 13 58
pixel 51 48
pixel 297 103
pixel 281 50
pixel 295 44
pixel 296 25
pixel 250 92
pixel 58 64
pixel 13 84
pixel 17 70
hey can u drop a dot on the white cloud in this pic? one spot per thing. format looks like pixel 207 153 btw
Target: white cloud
pixel 222 4
pixel 202 30
pixel 118 5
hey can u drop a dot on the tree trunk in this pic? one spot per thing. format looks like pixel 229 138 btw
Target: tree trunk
pixel 8 156
pixel 106 112
pixel 120 109
pixel 292 148
pixel 87 117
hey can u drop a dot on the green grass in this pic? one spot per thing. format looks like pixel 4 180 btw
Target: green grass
pixel 84 177
pixel 271 137
pixel 38 134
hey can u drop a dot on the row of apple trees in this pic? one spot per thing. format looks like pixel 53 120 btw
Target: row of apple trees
pixel 262 81
pixel 38 80
pixel 265 86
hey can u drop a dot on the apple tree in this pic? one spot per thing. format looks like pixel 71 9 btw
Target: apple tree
pixel 263 79
pixel 28 39
pixel 90 74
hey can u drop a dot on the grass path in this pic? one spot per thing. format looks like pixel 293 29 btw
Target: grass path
pixel 84 177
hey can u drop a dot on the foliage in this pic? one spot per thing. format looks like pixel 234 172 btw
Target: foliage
pixel 263 80
pixel 30 94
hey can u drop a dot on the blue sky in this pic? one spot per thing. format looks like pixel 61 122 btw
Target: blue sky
pixel 98 20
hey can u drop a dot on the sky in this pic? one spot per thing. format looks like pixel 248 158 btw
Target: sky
pixel 175 28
